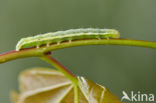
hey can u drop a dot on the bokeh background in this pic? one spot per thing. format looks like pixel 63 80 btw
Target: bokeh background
pixel 116 67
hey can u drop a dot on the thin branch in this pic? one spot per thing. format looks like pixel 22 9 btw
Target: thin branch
pixel 65 71
pixel 37 52
pixel 57 64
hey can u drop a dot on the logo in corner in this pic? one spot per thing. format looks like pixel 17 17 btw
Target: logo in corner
pixel 125 96
pixel 137 97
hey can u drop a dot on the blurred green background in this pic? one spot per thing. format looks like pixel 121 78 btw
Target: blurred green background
pixel 116 67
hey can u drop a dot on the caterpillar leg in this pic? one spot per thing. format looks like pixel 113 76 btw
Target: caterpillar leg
pixel 107 38
pixel 48 44
pixel 70 40
pixel 38 46
pixel 98 37
pixel 58 43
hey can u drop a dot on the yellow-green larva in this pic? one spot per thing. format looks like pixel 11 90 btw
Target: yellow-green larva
pixel 68 35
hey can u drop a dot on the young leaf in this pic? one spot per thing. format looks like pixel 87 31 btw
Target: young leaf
pixel 42 85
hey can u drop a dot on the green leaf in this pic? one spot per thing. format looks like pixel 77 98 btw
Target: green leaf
pixel 43 85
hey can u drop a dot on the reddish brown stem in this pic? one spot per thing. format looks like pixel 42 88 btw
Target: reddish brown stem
pixel 60 65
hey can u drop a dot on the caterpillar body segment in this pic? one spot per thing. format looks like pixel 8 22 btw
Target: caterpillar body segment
pixel 68 35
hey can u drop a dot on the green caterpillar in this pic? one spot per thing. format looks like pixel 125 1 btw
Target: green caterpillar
pixel 68 35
